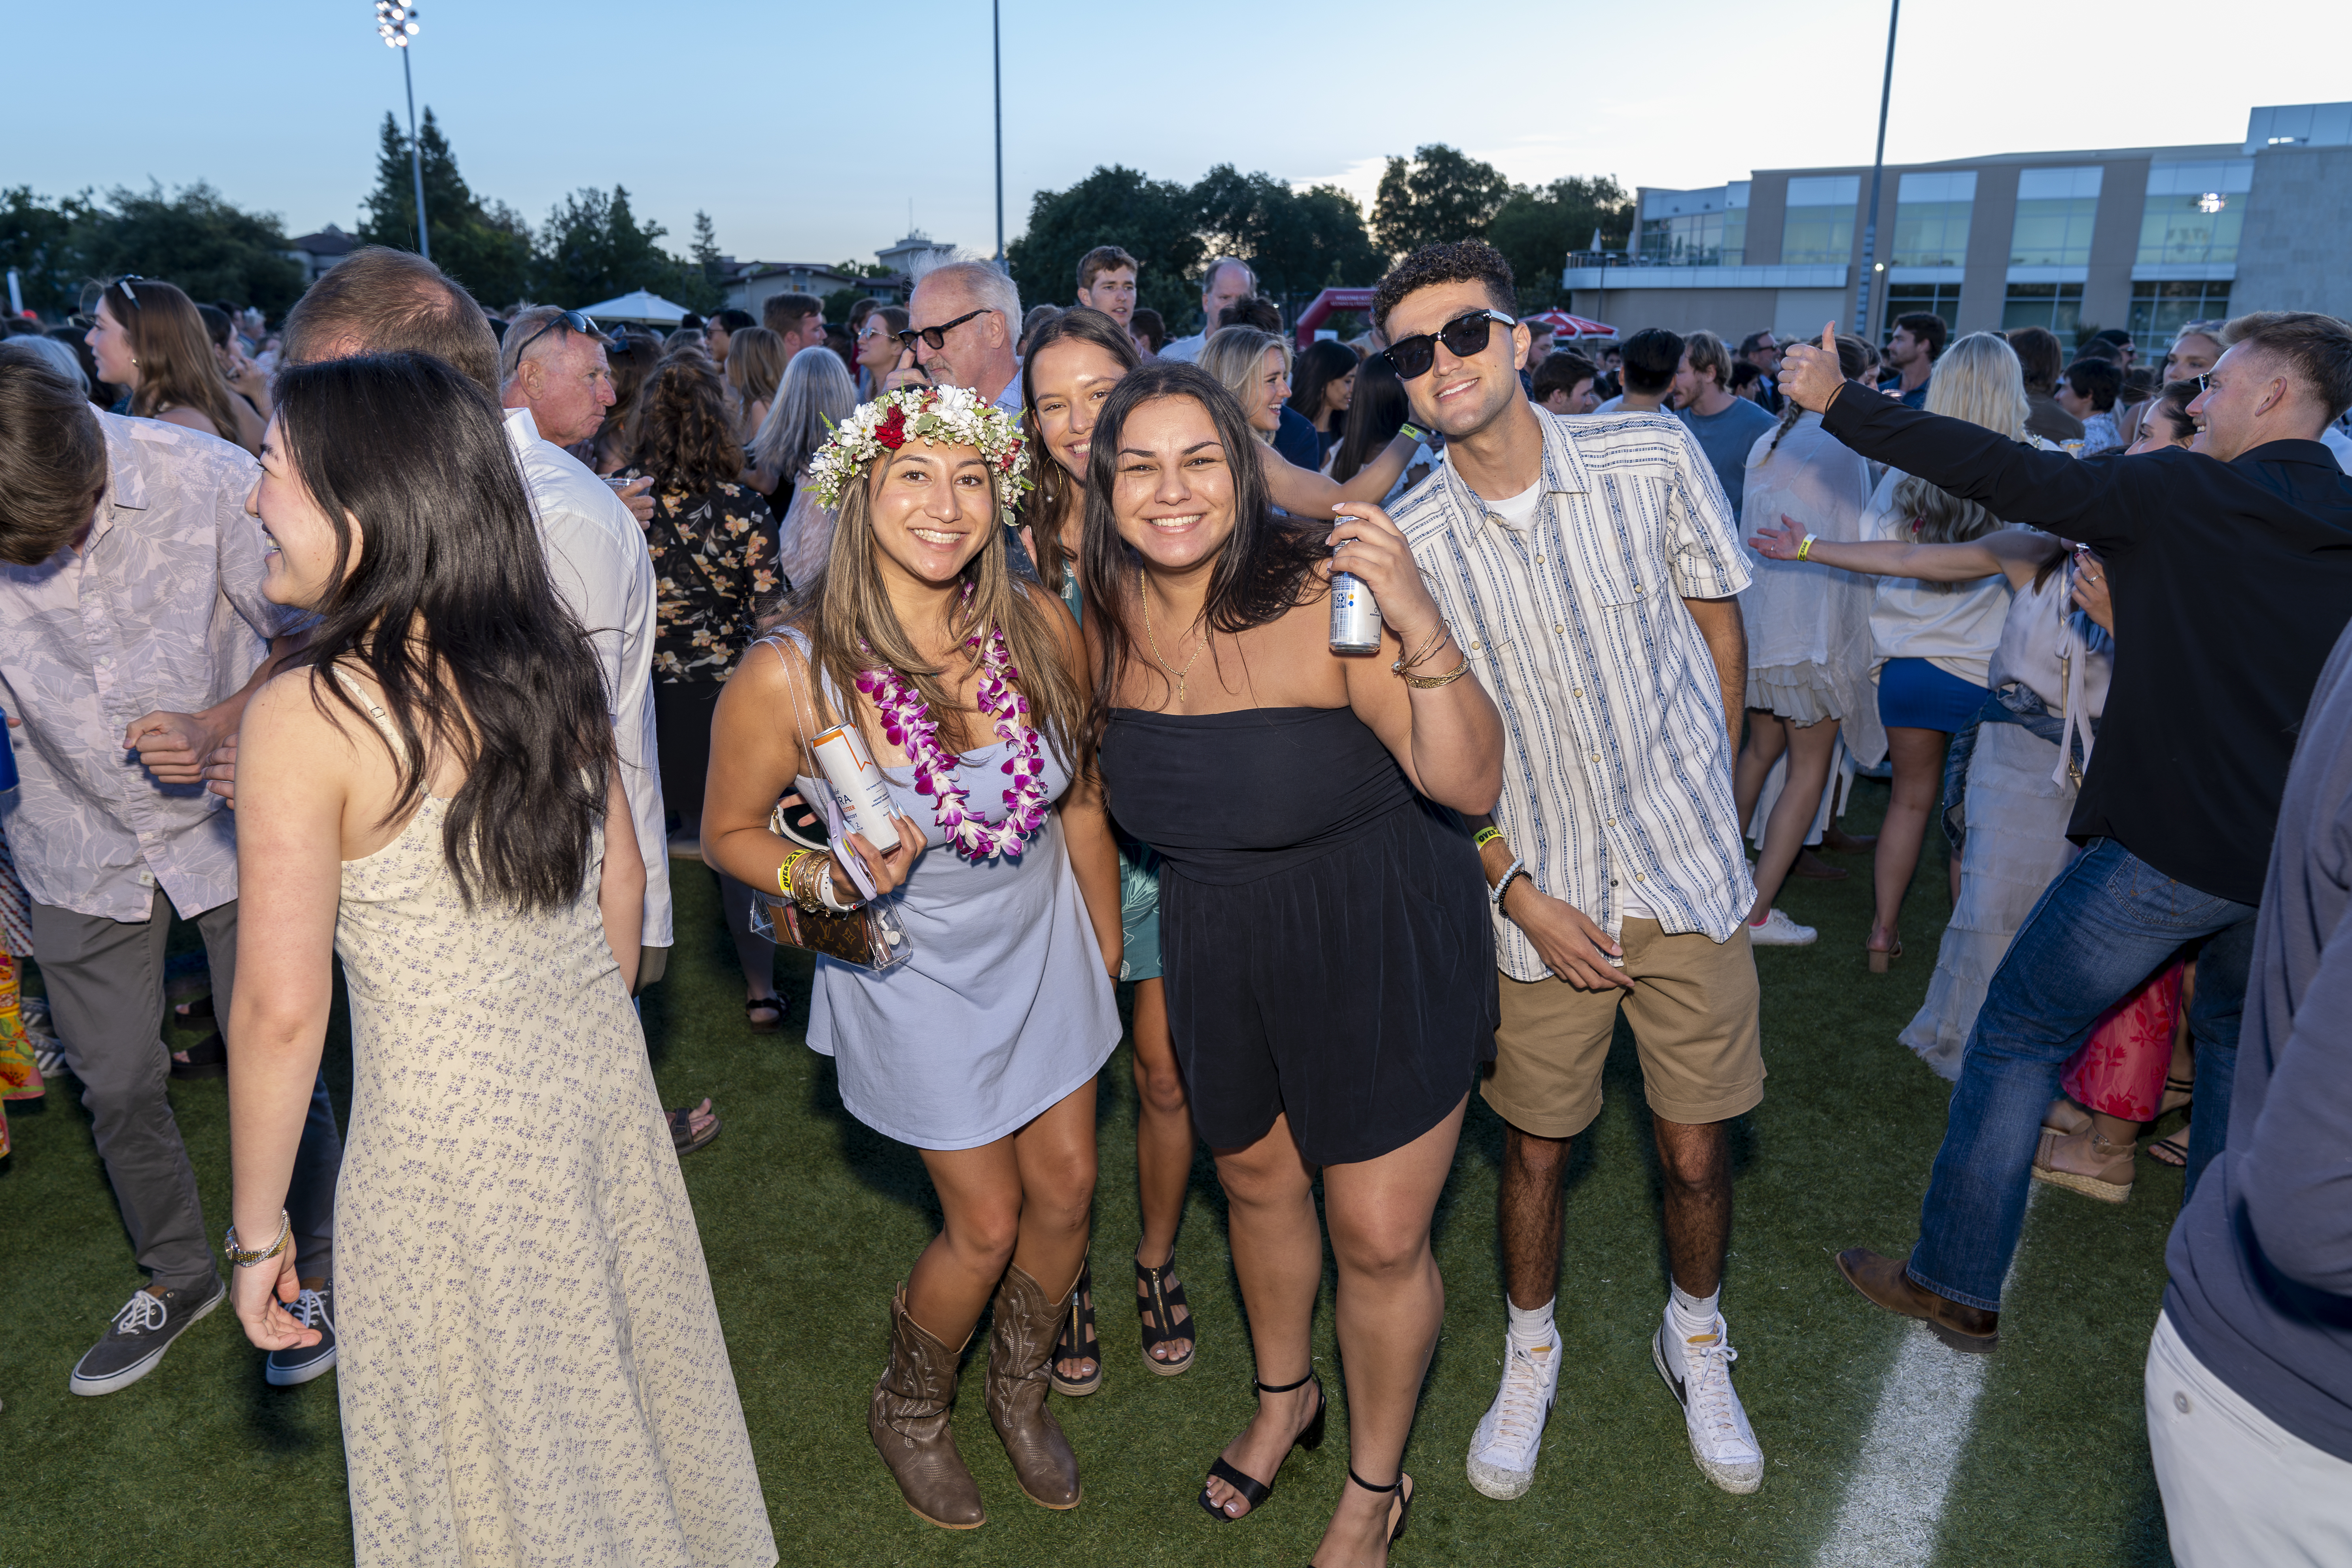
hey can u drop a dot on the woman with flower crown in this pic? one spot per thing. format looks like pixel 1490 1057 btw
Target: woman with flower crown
pixel 969 686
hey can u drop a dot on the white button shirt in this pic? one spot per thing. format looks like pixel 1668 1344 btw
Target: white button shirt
pixel 1616 762
pixel 596 553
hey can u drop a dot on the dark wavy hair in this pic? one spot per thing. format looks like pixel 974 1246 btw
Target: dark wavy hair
pixel 1263 568
pixel 1375 415
pixel 493 670
pixel 1318 364
pixel 685 432
pixel 1048 504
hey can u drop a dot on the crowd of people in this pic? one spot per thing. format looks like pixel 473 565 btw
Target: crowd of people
pixel 434 642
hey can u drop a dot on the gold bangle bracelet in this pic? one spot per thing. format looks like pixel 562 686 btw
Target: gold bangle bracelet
pixel 1436 641
pixel 1432 683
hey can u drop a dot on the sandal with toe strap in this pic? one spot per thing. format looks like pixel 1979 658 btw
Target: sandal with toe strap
pixel 1079 1342
pixel 2172 1151
pixel 1255 1491
pixel 1157 1301
pixel 1403 1488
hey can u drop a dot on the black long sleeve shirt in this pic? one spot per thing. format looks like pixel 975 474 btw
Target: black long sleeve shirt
pixel 2230 582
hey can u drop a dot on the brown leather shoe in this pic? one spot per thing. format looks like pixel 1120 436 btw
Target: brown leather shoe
pixel 1813 868
pixel 1019 1345
pixel 1886 1284
pixel 909 1421
pixel 1836 840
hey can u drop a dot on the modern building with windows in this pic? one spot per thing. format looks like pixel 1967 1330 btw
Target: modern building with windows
pixel 2144 237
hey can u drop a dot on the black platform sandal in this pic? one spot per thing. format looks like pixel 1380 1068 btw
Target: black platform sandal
pixel 208 1058
pixel 1254 1492
pixel 1402 1488
pixel 1155 1309
pixel 1078 1340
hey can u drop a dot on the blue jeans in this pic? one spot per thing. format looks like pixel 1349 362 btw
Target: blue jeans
pixel 2102 926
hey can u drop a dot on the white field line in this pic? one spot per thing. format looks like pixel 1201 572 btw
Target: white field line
pixel 1895 1503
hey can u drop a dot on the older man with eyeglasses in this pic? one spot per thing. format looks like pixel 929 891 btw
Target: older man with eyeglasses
pixel 962 323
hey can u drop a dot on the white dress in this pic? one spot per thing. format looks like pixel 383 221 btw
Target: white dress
pixel 2019 798
pixel 1808 626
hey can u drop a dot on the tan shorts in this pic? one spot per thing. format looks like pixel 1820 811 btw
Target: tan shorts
pixel 1692 1008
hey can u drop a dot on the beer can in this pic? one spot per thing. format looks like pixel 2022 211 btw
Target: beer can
pixel 1355 615
pixel 856 784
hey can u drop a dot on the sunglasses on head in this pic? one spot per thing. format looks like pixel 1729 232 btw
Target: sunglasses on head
pixel 571 319
pixel 1463 336
pixel 938 336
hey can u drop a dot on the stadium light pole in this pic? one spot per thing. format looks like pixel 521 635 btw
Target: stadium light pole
pixel 395 24
pixel 1870 268
pixel 996 53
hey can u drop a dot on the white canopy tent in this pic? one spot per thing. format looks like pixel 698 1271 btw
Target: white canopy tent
pixel 640 306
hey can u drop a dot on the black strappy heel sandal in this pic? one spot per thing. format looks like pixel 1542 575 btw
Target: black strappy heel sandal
pixel 1161 1299
pixel 1402 1488
pixel 1254 1492
pixel 1078 1340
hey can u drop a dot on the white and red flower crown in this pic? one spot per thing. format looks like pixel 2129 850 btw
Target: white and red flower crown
pixel 936 416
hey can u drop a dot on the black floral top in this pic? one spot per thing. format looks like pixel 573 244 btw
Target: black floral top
pixel 714 556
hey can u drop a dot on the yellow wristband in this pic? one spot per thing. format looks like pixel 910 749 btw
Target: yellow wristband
pixel 784 871
pixel 1485 836
pixel 1806 548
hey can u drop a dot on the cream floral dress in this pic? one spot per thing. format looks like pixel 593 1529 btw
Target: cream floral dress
pixel 531 1367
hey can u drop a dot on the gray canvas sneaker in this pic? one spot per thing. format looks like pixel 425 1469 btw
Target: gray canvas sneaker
pixel 140 1333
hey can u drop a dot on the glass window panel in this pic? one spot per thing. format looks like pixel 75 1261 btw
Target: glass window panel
pixel 1959 186
pixel 2053 231
pixel 1931 234
pixel 1931 298
pixel 2057 306
pixel 2175 229
pixel 2159 311
pixel 1816 235
pixel 1825 191
pixel 2058 185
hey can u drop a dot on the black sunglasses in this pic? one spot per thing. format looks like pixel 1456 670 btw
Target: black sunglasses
pixel 1463 336
pixel 571 319
pixel 938 336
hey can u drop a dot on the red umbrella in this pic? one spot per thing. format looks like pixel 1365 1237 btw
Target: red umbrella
pixel 1566 326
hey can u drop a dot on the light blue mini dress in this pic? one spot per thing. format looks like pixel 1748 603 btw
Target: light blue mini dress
pixel 1004 1009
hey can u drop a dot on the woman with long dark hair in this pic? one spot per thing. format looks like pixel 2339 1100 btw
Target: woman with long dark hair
pixel 1377 410
pixel 428 793
pixel 967 687
pixel 1323 384
pixel 714 552
pixel 1327 950
pixel 149 339
pixel 1073 363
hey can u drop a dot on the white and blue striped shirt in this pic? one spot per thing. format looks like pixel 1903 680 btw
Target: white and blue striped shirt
pixel 1616 764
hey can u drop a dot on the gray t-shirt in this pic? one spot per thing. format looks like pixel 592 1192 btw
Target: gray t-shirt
pixel 2261 1259
pixel 1726 438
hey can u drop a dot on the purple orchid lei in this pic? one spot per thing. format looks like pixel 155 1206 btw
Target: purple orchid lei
pixel 906 721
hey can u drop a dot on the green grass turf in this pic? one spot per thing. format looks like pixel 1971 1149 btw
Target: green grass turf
pixel 808 1220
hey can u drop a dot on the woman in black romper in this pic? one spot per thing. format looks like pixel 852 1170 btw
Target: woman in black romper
pixel 1328 957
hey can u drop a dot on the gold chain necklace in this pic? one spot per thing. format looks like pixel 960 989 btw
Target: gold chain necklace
pixel 1143 590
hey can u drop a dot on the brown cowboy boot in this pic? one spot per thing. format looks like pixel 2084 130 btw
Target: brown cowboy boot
pixel 1020 1344
pixel 908 1422
pixel 1886 1282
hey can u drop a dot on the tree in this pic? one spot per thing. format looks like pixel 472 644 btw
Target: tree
pixel 195 237
pixel 1441 193
pixel 1299 242
pixel 484 245
pixel 1152 220
pixel 705 248
pixel 42 241
pixel 1539 225
pixel 592 248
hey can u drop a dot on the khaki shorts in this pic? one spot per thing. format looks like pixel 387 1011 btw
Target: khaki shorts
pixel 1692 1008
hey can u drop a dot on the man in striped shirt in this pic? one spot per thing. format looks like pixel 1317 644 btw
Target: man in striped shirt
pixel 1589 566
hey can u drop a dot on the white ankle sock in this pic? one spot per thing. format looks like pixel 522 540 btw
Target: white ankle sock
pixel 1691 1316
pixel 1532 1327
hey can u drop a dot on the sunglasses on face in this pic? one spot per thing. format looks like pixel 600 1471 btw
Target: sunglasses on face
pixel 571 318
pixel 938 336
pixel 1464 336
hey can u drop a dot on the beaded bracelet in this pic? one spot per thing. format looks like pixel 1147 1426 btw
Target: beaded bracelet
pixel 1516 870
pixel 244 1259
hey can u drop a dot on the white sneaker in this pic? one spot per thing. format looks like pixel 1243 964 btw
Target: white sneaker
pixel 1779 930
pixel 1720 1439
pixel 1503 1450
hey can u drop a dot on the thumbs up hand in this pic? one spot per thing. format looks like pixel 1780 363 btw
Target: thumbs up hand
pixel 1810 374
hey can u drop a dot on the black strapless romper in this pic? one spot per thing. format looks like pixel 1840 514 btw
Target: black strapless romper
pixel 1323 931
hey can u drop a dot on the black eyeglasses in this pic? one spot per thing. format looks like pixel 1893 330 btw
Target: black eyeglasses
pixel 571 319
pixel 1463 336
pixel 938 336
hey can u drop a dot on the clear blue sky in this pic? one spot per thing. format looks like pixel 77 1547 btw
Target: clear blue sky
pixel 807 130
